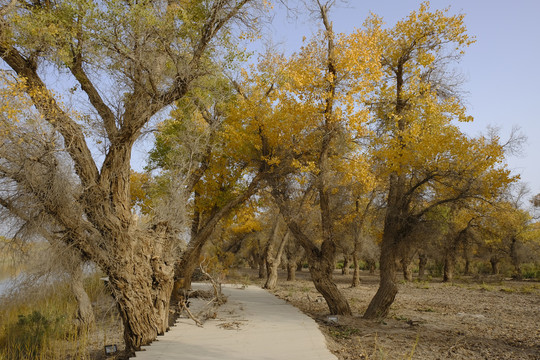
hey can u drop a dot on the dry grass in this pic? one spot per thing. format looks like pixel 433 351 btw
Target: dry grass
pixel 41 324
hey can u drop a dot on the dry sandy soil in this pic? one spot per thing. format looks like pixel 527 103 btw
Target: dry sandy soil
pixel 468 319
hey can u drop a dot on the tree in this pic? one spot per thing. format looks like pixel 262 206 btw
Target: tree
pixel 130 60
pixel 201 168
pixel 30 163
pixel 303 116
pixel 426 160
pixel 272 255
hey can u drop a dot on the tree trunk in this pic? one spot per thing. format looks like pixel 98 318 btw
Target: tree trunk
pixel 466 255
pixel 449 266
pixel 189 262
pixel 273 264
pixel 422 262
pixel 516 261
pixel 142 323
pixel 356 273
pixel 252 262
pixel 372 265
pixel 85 313
pixel 345 269
pixel 262 267
pixel 291 271
pixel 320 261
pixel 406 268
pixel 321 271
pixel 294 253
pixel 383 299
pixel 142 285
pixel 495 262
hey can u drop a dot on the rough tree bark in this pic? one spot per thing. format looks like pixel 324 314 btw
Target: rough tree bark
pixel 393 235
pixel 321 263
pixel 85 312
pixel 140 273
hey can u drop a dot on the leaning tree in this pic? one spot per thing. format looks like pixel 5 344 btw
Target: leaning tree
pixel 122 62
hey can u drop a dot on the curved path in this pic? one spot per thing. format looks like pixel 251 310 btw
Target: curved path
pixel 252 325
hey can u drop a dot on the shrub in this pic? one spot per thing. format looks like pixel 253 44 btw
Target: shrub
pixel 29 336
pixel 530 271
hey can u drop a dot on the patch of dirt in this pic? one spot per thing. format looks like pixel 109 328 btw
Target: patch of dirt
pixel 428 320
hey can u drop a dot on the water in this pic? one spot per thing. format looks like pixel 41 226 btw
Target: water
pixel 4 286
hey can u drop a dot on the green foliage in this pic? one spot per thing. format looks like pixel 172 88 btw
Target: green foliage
pixel 30 335
pixel 531 271
pixel 43 326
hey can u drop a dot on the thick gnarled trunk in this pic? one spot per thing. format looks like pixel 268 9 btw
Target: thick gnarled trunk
pixel 142 284
pixel 143 303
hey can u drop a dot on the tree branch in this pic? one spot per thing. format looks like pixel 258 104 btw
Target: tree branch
pixel 74 139
pixel 97 102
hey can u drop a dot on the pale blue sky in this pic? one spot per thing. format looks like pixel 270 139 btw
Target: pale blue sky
pixel 501 69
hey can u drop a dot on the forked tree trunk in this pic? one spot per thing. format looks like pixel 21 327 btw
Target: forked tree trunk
pixel 320 261
pixel 273 262
pixel 422 262
pixel 322 270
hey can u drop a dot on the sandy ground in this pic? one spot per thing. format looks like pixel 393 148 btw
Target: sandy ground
pixel 468 319
pixel 480 319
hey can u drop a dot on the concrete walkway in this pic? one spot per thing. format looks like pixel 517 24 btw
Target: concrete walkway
pixel 252 325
